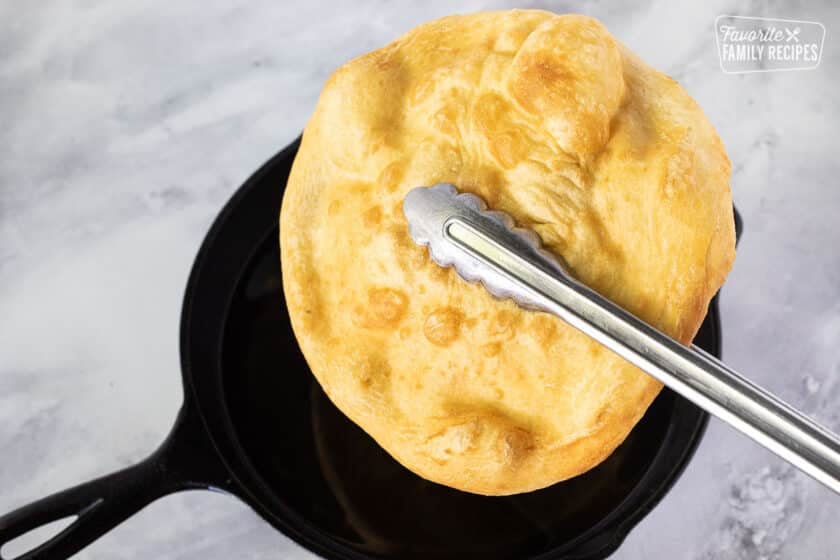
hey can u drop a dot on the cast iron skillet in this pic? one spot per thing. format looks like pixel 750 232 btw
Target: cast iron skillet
pixel 256 424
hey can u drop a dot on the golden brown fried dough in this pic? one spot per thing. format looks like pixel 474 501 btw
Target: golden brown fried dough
pixel 547 118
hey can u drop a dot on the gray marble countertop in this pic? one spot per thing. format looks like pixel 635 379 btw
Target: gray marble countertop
pixel 126 125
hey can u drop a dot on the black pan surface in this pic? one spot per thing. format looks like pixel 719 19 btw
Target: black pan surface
pixel 256 424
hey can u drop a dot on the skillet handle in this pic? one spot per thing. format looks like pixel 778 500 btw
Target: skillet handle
pixel 186 460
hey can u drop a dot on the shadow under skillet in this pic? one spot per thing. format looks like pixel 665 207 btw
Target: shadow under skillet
pixel 338 479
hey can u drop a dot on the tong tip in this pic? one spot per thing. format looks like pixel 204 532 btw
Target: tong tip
pixel 429 209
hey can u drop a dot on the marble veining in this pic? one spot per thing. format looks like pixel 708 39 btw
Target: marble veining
pixel 125 127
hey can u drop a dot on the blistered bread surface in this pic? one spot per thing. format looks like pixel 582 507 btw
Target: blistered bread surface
pixel 548 118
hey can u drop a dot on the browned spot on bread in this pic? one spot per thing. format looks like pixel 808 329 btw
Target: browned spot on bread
pixel 601 415
pixel 543 328
pixel 386 307
pixel 516 444
pixel 504 323
pixel 491 349
pixel 402 241
pixel 443 326
pixel 444 121
pixel 391 176
pixel 372 374
pixel 372 216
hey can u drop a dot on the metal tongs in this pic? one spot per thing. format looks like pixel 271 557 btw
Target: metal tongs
pixel 485 246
